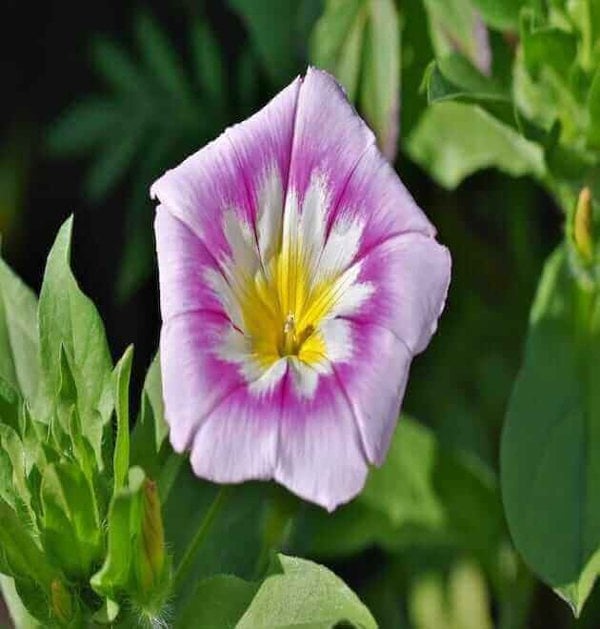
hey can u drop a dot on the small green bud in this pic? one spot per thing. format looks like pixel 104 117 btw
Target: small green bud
pixel 583 226
pixel 62 605
pixel 152 562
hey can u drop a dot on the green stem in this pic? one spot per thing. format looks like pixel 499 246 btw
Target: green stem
pixel 280 512
pixel 168 474
pixel 187 560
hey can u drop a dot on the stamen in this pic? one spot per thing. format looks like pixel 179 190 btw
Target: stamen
pixel 290 341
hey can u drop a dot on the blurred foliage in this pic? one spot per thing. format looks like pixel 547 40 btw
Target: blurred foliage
pixel 157 109
pixel 455 87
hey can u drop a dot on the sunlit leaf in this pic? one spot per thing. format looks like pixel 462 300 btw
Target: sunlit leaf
pixel 69 320
pixel 302 593
pixel 19 354
pixel 454 140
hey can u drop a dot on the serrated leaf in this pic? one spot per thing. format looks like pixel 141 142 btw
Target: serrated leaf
pixel 454 140
pixel 549 455
pixel 160 58
pixel 303 593
pixel 10 405
pixel 119 70
pixel 210 73
pixel 114 159
pixel 69 320
pixel 19 353
pixel 20 556
pixel 83 126
pixel 13 484
pixel 121 453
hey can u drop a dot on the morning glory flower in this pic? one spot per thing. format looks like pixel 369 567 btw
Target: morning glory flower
pixel 298 278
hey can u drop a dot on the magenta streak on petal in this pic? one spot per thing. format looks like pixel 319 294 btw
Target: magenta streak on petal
pixel 203 258
pixel 321 456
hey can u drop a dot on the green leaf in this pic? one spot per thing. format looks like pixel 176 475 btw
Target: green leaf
pixel 337 40
pixel 502 15
pixel 121 454
pixel 210 73
pixel 402 488
pixel 454 140
pixel 119 70
pixel 380 89
pixel 272 27
pixel 13 483
pixel 455 78
pixel 114 158
pixel 18 613
pixel 422 493
pixel 218 603
pixel 548 47
pixel 593 106
pixel 83 126
pixel 136 567
pixel 549 456
pixel 350 530
pixel 71 525
pixel 148 447
pixel 160 57
pixel 455 26
pixel 10 405
pixel 20 556
pixel 69 320
pixel 108 613
pixel 19 353
pixel 232 544
pixel 460 601
pixel 302 593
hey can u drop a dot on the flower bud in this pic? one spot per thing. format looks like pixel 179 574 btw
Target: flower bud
pixel 62 605
pixel 583 226
pixel 152 561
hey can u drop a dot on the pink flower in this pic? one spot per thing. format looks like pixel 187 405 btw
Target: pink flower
pixel 298 279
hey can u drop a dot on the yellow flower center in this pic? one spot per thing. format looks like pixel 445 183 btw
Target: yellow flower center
pixel 282 307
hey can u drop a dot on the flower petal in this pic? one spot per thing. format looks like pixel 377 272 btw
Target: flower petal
pixel 194 378
pixel 374 384
pixel 238 441
pixel 232 172
pixel 412 274
pixel 320 453
pixel 331 141
pixel 182 262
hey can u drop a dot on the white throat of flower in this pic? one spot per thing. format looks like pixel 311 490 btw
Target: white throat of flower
pixel 288 288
